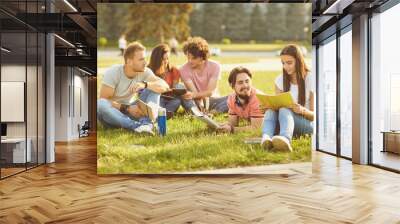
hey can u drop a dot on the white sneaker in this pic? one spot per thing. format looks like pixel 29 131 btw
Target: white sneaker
pixel 145 129
pixel 281 143
pixel 266 142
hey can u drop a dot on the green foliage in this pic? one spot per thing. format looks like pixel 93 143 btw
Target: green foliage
pixel 226 41
pixel 212 21
pixel 102 41
pixel 158 22
pixel 240 22
pixel 236 22
pixel 111 21
pixel 257 24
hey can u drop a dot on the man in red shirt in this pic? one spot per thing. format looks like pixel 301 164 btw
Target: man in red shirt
pixel 243 103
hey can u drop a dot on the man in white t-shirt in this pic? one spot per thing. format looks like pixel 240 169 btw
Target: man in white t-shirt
pixel 120 83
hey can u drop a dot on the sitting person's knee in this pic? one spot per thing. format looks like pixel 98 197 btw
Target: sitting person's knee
pixel 150 92
pixel 102 104
pixel 269 114
pixel 284 110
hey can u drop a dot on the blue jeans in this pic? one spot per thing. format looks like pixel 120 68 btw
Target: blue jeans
pixel 219 104
pixel 112 117
pixel 170 104
pixel 289 123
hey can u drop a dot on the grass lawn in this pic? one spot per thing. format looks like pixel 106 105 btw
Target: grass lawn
pixel 189 145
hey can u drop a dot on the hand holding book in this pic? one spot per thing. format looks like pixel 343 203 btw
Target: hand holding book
pixel 275 101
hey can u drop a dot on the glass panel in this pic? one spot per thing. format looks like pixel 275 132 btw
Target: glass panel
pixel 385 85
pixel 327 97
pixel 346 94
pixel 31 101
pixel 41 99
pixel 13 74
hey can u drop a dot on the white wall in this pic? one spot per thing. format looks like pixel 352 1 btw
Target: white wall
pixel 69 85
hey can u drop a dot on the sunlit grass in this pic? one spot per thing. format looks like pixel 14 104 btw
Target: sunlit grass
pixel 189 145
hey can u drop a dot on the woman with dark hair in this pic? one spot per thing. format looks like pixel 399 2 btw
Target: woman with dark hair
pixel 296 119
pixel 159 64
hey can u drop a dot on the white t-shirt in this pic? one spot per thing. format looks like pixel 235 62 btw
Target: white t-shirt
pixel 294 89
pixel 115 78
pixel 122 43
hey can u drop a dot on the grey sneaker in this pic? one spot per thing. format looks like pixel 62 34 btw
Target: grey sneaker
pixel 266 142
pixel 145 129
pixel 281 143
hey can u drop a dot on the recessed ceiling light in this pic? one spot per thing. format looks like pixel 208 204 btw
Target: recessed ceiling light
pixel 86 72
pixel 64 40
pixel 5 49
pixel 70 5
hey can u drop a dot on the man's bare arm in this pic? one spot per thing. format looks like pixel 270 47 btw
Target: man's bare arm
pixel 157 85
pixel 210 89
pixel 107 92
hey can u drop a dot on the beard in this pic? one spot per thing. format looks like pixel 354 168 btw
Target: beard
pixel 244 97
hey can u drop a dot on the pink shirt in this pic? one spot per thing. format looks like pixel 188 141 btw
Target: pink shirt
pixel 211 70
pixel 250 110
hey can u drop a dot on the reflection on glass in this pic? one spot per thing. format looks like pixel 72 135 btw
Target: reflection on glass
pixel 41 99
pixel 327 97
pixel 31 101
pixel 346 94
pixel 13 70
pixel 385 84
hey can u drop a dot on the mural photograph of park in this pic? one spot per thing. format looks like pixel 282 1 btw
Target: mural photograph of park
pixel 220 58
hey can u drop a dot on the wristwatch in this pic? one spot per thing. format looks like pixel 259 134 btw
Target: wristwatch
pixel 124 108
pixel 145 84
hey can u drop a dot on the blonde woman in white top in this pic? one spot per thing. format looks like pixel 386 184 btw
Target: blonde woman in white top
pixel 279 126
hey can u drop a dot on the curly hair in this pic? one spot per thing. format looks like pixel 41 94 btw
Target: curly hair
pixel 196 46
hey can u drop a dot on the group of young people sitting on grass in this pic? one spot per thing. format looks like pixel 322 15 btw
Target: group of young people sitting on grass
pixel 156 81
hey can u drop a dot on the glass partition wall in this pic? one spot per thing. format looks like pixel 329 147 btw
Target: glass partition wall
pixel 22 88
pixel 334 96
pixel 346 92
pixel 385 90
pixel 327 95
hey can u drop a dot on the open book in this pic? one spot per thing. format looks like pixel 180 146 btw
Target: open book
pixel 276 101
pixel 150 109
pixel 210 122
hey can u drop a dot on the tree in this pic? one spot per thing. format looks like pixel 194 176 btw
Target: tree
pixel 257 24
pixel 296 15
pixel 107 26
pixel 275 22
pixel 158 22
pixel 196 20
pixel 236 22
pixel 213 17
